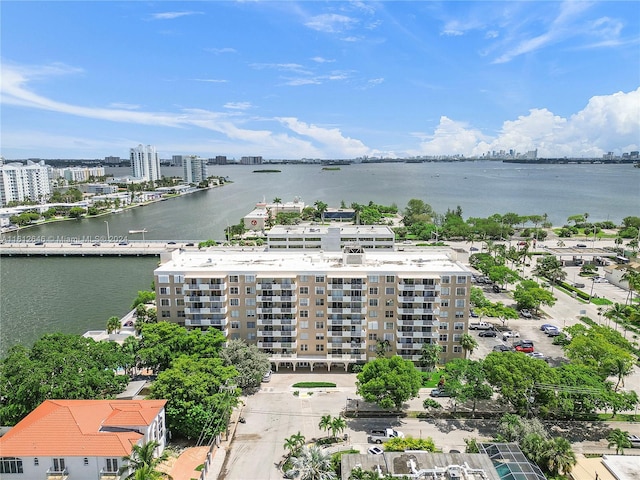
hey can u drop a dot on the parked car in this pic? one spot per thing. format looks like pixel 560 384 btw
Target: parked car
pixel 439 392
pixel 501 348
pixel 525 346
pixel 496 289
pixel 553 332
pixel 473 314
pixel 634 440
pixel 526 313
pixel 480 326
pixel 510 334
pixel 581 245
pixel 537 355
pixel 488 333
pixel 544 326
pixel 267 376
pixel 375 451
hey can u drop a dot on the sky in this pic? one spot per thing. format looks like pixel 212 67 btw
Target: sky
pixel 318 79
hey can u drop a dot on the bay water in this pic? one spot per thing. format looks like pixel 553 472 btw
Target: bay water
pixel 73 295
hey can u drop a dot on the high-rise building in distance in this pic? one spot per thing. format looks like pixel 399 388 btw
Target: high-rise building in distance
pixel 20 182
pixel 145 162
pixel 195 169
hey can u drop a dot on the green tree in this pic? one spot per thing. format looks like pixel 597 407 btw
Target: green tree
pixel 294 443
pixel 470 381
pixel 76 212
pixel 144 297
pixel 311 463
pixel 550 268
pixel 468 344
pixel 619 439
pixel 417 211
pixel 398 444
pixel 199 400
pixel 142 462
pixel 558 457
pixel 249 360
pixel 113 325
pixel 429 356
pixel 528 294
pixel 502 275
pixel 325 422
pixel 389 382
pixel 338 424
pixel 321 208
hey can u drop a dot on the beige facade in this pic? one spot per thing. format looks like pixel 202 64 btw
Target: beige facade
pixel 330 238
pixel 307 309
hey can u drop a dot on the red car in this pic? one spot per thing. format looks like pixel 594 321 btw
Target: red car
pixel 525 347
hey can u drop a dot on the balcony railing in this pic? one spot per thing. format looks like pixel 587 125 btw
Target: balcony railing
pixel 277 321
pixel 276 310
pixel 275 286
pixel 347 356
pixel 277 344
pixel 54 474
pixel 417 323
pixel 277 333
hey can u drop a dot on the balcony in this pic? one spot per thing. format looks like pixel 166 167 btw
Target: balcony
pixel 418 334
pixel 53 474
pixel 277 333
pixel 345 286
pixel 347 311
pixel 409 346
pixel 276 310
pixel 346 322
pixel 207 322
pixel 355 357
pixel 413 358
pixel 108 475
pixel 277 344
pixel 346 333
pixel 277 321
pixel 417 323
pixel 276 298
pixel 275 286
pixel 189 287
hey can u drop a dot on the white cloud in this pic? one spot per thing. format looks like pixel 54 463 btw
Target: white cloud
pixel 125 106
pixel 210 80
pixel 331 23
pixel 337 144
pixel 238 105
pixel 322 60
pixel 172 15
pixel 219 51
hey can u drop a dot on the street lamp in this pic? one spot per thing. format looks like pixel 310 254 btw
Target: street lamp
pixel 107 230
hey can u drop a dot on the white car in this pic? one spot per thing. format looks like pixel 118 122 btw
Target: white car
pixel 510 334
pixel 525 313
pixel 375 451
pixel 634 440
pixel 537 355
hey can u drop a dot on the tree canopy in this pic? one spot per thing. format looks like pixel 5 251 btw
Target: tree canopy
pixel 389 382
pixel 249 360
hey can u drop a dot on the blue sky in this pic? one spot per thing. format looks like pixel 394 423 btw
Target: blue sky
pixel 310 79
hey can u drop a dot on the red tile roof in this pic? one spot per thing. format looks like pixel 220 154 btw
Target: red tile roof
pixel 75 428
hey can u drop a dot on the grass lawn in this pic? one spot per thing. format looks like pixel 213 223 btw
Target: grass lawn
pixel 314 385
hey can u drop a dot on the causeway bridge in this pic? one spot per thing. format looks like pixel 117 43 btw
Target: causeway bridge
pixel 137 248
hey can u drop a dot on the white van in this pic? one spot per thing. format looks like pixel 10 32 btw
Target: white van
pixel 267 376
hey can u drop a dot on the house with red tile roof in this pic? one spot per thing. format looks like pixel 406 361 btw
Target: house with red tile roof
pixel 80 439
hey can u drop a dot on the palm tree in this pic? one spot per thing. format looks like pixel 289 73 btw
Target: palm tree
pixel 294 442
pixel 619 439
pixel 357 208
pixel 113 324
pixel 468 344
pixel 633 279
pixel 321 207
pixel 142 462
pixel 312 463
pixel 558 456
pixel 338 424
pixel 325 423
pixel 429 356
pixel 382 347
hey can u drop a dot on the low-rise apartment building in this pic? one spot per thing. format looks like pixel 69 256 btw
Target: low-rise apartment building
pixel 330 238
pixel 312 308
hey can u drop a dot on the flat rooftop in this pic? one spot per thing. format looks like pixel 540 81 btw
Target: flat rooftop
pixel 256 259
pixel 323 229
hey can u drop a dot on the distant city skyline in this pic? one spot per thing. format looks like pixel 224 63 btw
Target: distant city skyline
pixel 319 80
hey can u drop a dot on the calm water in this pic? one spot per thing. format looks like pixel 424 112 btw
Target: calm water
pixel 40 295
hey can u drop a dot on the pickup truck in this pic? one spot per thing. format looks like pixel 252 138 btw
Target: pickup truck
pixel 379 436
pixel 480 326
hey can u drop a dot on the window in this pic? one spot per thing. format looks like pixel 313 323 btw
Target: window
pixel 444 314
pixel 304 336
pixel 304 278
pixel 234 290
pixel 319 313
pixel 444 348
pixel 374 279
pixel 373 302
pixel 165 302
pixel 163 278
pixel 319 348
pixel 85 461
pixel 304 290
pixel 181 314
pixel 389 290
pixel 444 337
pixel 250 290
pixel 112 465
pixel 373 325
pixel 304 324
pixel 249 302
pixel 250 313
pixel 166 314
pixel 164 291
pixel 319 278
pixel 319 325
pixel 36 462
pixel 304 314
pixel 456 337
pixel 388 337
pixel 459 314
pixel 390 278
pixel 304 302
pixel 457 349
pixel 180 302
pixel 235 313
pixel 304 347
pixel 460 279
pixel 445 291
pixel 251 324
pixel 373 290
pixel 250 279
pixel 445 279
pixel 461 291
pixel 443 326
pixel 319 336
pixel 458 326
pixel 389 325
pixel 373 314
pixel 234 278
pixel 178 290
pixel 251 336
pixel 319 302
pixel 460 303
pixel 58 464
pixel 319 290
pixel 234 302
pixel 389 303
pixel 373 336
pixel 444 303
pixel 235 324
pixel 11 465
pixel 388 314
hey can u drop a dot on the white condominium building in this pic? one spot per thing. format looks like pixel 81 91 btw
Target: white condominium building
pixel 20 182
pixel 195 169
pixel 145 162
pixel 317 308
